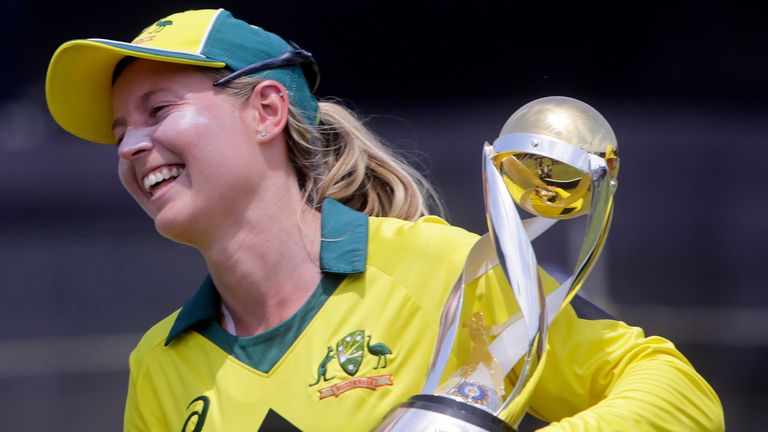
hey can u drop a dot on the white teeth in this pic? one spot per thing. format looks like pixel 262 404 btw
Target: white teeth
pixel 156 177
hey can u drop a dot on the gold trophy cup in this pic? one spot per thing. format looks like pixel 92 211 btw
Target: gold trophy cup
pixel 556 158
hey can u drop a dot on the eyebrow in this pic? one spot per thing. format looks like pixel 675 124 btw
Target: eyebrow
pixel 121 122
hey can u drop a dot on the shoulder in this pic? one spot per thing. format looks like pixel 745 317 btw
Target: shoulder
pixel 428 235
pixel 152 341
pixel 424 257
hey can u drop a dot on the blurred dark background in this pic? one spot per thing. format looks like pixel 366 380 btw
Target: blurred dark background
pixel 682 85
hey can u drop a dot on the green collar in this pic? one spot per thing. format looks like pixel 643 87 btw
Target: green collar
pixel 343 250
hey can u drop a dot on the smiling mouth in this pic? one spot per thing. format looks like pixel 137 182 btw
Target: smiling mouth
pixel 160 177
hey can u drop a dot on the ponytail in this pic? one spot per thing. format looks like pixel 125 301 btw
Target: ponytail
pixel 348 163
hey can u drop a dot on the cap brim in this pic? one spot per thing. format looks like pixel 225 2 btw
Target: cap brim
pixel 78 85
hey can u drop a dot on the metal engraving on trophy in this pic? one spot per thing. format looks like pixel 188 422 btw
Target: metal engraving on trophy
pixel 556 158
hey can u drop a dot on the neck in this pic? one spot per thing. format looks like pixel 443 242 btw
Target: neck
pixel 267 267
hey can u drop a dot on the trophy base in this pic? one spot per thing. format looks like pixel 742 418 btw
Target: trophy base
pixel 431 413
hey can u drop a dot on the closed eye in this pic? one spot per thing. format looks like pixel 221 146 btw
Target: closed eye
pixel 157 110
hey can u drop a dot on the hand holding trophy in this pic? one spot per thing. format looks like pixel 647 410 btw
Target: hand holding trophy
pixel 557 158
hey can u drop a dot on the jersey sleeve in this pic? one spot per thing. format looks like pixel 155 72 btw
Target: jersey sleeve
pixel 604 375
pixel 133 420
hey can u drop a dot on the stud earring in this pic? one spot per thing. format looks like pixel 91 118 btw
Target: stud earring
pixel 263 134
pixel 280 94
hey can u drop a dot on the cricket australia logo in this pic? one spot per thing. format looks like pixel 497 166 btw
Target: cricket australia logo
pixel 351 352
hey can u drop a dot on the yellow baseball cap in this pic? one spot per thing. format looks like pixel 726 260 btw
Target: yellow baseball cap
pixel 78 85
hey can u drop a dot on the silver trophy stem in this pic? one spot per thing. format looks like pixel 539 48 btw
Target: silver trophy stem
pixel 598 224
pixel 480 260
pixel 519 264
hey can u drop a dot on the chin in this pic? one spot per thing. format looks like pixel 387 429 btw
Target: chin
pixel 169 232
pixel 173 228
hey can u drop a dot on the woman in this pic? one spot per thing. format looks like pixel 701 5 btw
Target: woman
pixel 326 283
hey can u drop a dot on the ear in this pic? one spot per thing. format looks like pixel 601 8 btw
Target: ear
pixel 268 105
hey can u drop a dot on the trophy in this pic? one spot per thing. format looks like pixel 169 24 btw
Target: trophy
pixel 556 158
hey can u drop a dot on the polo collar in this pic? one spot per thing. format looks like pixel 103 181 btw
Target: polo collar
pixel 343 250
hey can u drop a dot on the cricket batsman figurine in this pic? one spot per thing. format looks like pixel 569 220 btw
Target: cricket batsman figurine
pixel 556 158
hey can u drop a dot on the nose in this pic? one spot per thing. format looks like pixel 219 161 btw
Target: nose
pixel 135 142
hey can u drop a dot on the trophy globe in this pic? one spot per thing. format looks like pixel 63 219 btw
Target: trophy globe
pixel 548 172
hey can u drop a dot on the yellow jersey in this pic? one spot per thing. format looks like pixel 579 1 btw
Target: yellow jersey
pixel 363 342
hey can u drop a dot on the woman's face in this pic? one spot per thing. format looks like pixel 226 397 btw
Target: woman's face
pixel 186 150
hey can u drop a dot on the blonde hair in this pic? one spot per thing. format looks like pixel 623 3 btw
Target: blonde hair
pixel 341 158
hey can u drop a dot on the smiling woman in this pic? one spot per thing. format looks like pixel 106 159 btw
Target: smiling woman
pixel 175 119
pixel 317 240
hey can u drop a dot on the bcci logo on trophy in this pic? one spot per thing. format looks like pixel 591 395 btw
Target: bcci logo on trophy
pixel 350 352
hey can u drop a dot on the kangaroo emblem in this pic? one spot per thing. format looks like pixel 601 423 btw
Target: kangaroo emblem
pixel 322 369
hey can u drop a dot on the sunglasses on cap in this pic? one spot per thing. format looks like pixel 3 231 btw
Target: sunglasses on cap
pixel 297 56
